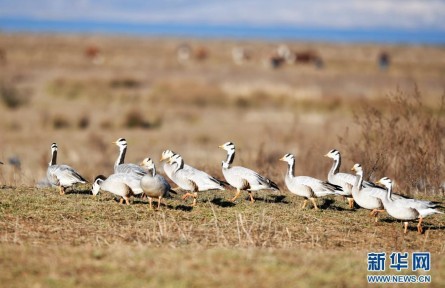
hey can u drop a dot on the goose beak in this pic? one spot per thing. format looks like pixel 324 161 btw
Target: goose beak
pixel 352 169
pixel 221 146
pixel 281 159
pixel 163 158
pixel 326 155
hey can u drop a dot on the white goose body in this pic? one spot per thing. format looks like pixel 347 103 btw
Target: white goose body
pixel 407 209
pixel 120 166
pixel 366 197
pixel 62 176
pixel 153 184
pixel 305 186
pixel 299 184
pixel 243 178
pixel 203 180
pixel 120 184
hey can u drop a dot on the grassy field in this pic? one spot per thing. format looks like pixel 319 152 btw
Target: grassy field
pixel 75 240
pixel 390 121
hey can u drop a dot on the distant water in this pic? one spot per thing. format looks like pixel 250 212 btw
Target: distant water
pixel 230 32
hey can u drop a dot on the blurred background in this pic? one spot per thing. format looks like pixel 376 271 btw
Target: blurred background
pixel 274 77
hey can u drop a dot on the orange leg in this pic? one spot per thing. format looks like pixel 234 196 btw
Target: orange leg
pixel 159 202
pixel 313 200
pixel 61 190
pixel 406 227
pixel 251 197
pixel 186 195
pixel 126 201
pixel 121 201
pixel 194 195
pixel 238 192
pixel 351 202
pixel 150 203
pixel 419 226
pixel 304 204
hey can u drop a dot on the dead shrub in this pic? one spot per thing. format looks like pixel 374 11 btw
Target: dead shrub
pixel 60 122
pixel 402 139
pixel 12 97
pixel 136 119
pixel 83 122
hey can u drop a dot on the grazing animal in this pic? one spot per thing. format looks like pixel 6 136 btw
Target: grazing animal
pixel 192 180
pixel 243 178
pixel 120 184
pixel 344 180
pixel 305 186
pixel 154 185
pixel 406 209
pixel 368 197
pixel 120 166
pixel 62 176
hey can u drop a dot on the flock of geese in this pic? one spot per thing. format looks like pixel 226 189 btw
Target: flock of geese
pixel 132 179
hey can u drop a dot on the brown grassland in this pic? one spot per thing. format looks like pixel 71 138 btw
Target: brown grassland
pixel 392 122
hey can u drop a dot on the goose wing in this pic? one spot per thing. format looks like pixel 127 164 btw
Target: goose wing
pixel 320 188
pixel 130 168
pixel 201 178
pixel 66 175
pixel 255 180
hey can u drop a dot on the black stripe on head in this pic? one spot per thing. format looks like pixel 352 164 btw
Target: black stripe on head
pixel 54 145
pixel 334 151
pixel 101 177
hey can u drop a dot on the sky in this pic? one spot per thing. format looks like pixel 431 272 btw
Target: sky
pixel 337 14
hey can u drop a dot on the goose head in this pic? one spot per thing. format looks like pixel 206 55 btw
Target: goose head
pixel 121 143
pixel 289 158
pixel 147 163
pixel 167 154
pixel 176 159
pixel 357 168
pixel 333 154
pixel 228 146
pixel 96 184
pixel 385 181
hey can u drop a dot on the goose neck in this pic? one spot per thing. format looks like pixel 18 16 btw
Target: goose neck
pixel 121 158
pixel 291 168
pixel 53 158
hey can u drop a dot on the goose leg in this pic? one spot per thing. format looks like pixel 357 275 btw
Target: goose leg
pixel 186 195
pixel 150 203
pixel 304 204
pixel 351 202
pixel 406 227
pixel 61 190
pixel 419 226
pixel 195 195
pixel 238 192
pixel 126 201
pixel 251 197
pixel 314 202
pixel 121 200
pixel 159 202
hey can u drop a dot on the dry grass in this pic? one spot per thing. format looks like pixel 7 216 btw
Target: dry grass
pixel 403 139
pixel 77 239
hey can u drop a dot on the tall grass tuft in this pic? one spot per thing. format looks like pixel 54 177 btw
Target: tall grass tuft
pixel 403 139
